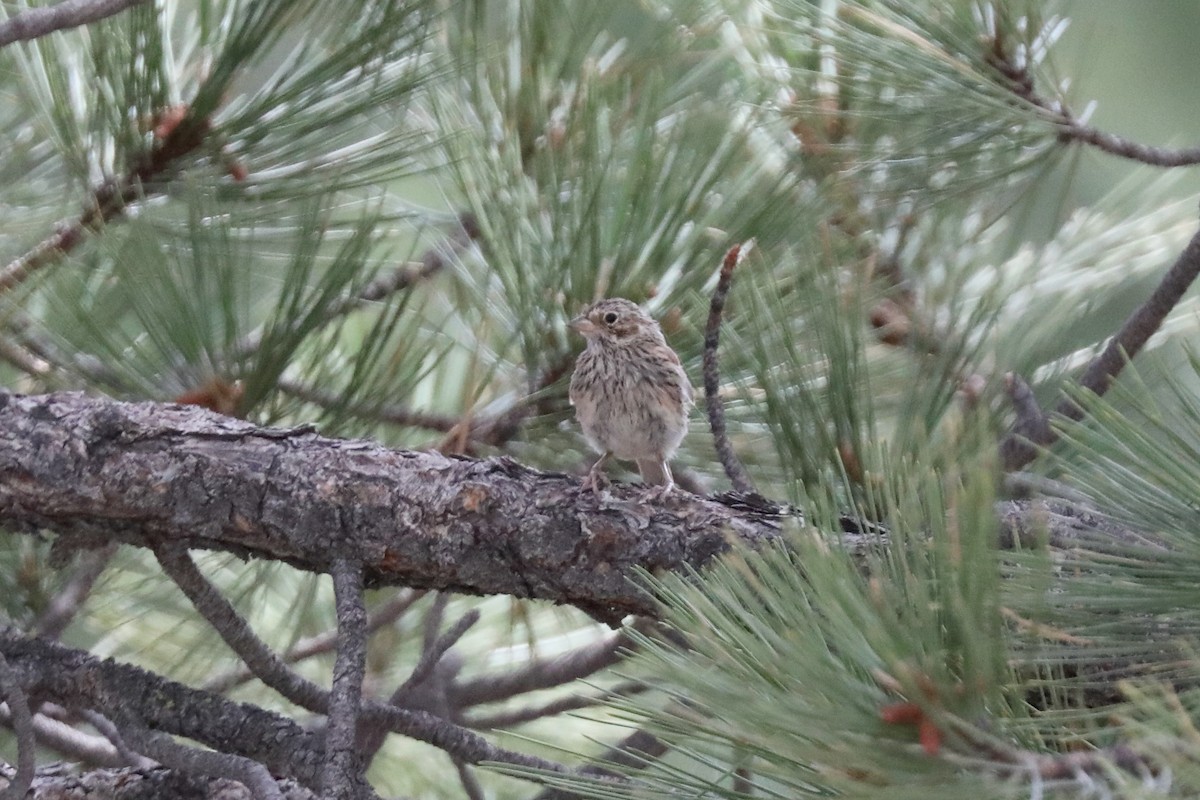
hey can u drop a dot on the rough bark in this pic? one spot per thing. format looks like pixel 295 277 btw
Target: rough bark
pixel 134 697
pixel 147 784
pixel 97 471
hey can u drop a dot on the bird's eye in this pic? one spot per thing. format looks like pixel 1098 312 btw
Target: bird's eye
pixel 610 318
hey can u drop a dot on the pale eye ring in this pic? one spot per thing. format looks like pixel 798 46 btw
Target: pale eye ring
pixel 610 318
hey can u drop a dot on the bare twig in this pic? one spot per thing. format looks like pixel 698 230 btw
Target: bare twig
pixel 225 620
pixel 1031 429
pixel 1012 761
pixel 387 613
pixel 1140 326
pixel 37 22
pixel 518 716
pixel 432 262
pixel 432 654
pixel 470 785
pixel 72 743
pixel 65 604
pixel 22 725
pixel 401 277
pixel 392 414
pixel 543 674
pixel 712 377
pixel 113 734
pixel 636 751
pixel 343 779
pixel 21 358
pixel 1018 80
pixel 1126 344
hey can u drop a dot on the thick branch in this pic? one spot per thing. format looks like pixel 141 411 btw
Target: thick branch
pixel 146 784
pixel 133 697
pixel 149 473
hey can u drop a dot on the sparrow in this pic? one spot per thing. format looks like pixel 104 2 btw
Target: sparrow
pixel 630 392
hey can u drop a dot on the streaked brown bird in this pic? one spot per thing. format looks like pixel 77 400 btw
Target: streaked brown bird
pixel 630 392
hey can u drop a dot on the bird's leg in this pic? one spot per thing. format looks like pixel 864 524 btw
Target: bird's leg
pixel 656 473
pixel 595 479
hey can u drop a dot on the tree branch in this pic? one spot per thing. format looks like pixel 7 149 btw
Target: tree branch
pixel 1126 344
pixel 99 471
pixel 712 377
pixel 74 744
pixel 387 613
pixel 147 784
pixel 66 603
pixel 37 22
pixel 343 767
pixel 208 763
pixel 236 632
pixel 109 199
pixel 432 654
pixel 133 697
pixel 543 673
pixel 22 725
pixel 1019 81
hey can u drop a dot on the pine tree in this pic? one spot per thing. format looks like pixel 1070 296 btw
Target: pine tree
pixel 953 560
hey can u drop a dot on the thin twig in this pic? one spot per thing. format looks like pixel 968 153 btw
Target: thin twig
pixel 1126 344
pixel 392 414
pixel 387 613
pixel 1140 326
pixel 1014 761
pixel 543 674
pixel 343 778
pixel 65 604
pixel 37 22
pixel 21 358
pixel 108 201
pixel 575 702
pixel 712 377
pixel 433 648
pixel 636 751
pixel 236 632
pixel 470 785
pixel 22 725
pixel 113 734
pixel 1031 428
pixel 1020 82
pixel 72 743
pixel 401 277
pixel 432 654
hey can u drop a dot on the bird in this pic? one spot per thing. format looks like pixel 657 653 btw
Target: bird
pixel 630 392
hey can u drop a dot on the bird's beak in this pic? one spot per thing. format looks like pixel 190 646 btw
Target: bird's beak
pixel 582 325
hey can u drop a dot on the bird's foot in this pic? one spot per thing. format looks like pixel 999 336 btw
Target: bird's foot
pixel 656 493
pixel 595 481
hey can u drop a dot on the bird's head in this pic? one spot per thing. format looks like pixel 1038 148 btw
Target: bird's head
pixel 615 321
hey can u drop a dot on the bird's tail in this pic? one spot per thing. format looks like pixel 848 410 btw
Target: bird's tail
pixel 655 472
